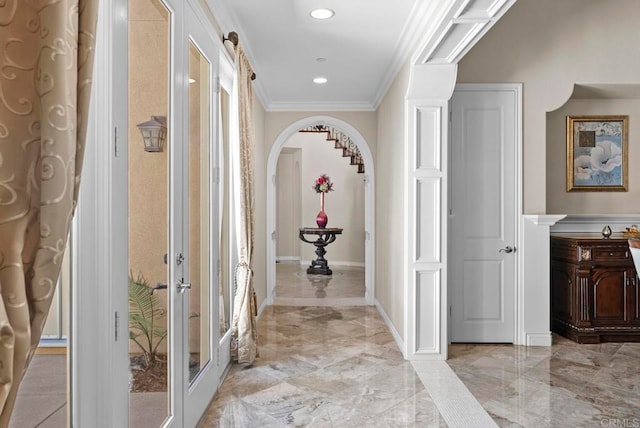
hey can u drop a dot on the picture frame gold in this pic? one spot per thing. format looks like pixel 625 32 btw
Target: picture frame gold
pixel 597 153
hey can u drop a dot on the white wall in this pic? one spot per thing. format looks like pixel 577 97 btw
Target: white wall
pixel 390 201
pixel 549 45
pixel 344 206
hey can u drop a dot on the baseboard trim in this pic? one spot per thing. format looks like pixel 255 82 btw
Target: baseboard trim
pixel 539 339
pixel 51 350
pixel 287 259
pixel 392 328
pixel 261 309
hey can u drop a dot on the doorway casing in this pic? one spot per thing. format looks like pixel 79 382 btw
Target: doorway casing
pixel 369 203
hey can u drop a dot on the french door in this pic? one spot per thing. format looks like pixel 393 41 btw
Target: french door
pixel 174 213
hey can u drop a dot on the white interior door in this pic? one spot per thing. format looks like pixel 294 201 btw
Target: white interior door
pixel 483 212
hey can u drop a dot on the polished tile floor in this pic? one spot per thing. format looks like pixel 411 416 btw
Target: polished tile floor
pixel 324 366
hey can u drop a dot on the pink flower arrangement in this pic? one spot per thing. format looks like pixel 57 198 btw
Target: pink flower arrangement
pixel 323 184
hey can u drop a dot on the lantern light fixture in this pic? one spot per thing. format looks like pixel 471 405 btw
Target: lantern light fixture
pixel 154 133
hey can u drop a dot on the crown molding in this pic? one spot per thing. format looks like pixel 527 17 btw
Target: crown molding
pixel 420 22
pixel 320 106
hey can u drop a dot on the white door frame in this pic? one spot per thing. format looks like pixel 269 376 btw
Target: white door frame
pixel 516 89
pixel 369 202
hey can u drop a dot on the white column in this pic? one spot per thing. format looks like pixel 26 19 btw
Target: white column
pixel 430 89
pixel 534 315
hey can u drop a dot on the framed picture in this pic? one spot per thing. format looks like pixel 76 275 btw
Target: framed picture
pixel 597 154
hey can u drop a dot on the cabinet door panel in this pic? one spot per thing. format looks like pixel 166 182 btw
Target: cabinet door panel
pixel 609 296
pixel 562 280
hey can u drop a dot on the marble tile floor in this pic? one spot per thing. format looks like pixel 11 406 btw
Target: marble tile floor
pixel 323 367
pixel 294 287
pixel 565 385
pixel 327 365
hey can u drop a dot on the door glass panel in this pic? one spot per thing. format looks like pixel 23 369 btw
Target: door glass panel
pixel 199 212
pixel 149 308
pixel 225 216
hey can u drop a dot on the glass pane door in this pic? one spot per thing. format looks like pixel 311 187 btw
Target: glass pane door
pixel 200 302
pixel 228 255
pixel 199 212
pixel 150 311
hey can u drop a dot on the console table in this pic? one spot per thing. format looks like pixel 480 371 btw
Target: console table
pixel 325 237
pixel 595 294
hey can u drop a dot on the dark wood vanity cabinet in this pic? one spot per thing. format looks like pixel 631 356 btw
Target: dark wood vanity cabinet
pixel 594 289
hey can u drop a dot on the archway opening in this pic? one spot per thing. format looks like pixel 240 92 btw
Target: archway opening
pixel 367 178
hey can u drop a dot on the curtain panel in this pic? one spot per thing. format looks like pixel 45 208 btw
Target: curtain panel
pixel 244 342
pixel 46 61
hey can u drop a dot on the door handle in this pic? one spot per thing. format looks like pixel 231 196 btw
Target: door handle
pixel 508 249
pixel 183 286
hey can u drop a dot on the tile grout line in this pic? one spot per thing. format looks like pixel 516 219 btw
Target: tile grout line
pixel 456 404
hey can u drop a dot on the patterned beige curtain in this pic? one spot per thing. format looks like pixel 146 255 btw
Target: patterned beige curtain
pixel 46 59
pixel 244 343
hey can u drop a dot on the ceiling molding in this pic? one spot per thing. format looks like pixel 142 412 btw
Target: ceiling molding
pixel 419 23
pixel 320 106
pixel 462 24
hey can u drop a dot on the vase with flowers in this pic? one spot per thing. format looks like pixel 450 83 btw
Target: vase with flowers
pixel 322 185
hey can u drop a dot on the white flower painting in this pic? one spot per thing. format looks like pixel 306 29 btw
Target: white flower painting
pixel 597 148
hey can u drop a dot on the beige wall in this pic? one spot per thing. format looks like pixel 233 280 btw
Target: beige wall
pixel 561 202
pixel 363 121
pixel 288 204
pixel 390 184
pixel 549 45
pixel 344 206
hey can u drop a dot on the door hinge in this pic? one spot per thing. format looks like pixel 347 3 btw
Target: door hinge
pixel 216 84
pixel 116 325
pixel 450 311
pixel 216 175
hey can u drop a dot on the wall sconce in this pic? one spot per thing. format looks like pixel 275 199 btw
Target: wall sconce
pixel 154 133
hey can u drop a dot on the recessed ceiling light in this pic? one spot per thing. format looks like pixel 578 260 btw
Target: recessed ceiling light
pixel 322 13
pixel 320 80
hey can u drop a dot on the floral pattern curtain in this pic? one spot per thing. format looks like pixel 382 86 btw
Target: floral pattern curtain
pixel 46 60
pixel 244 343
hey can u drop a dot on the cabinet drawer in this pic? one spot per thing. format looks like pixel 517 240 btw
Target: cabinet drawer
pixel 610 254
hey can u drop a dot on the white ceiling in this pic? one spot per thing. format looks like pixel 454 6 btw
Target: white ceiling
pixel 362 45
pixel 365 44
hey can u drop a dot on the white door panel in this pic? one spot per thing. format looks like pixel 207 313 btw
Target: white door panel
pixel 483 215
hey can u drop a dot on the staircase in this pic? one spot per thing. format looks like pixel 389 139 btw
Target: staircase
pixel 342 142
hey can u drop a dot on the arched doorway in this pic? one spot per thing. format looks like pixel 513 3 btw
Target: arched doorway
pixel 369 206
